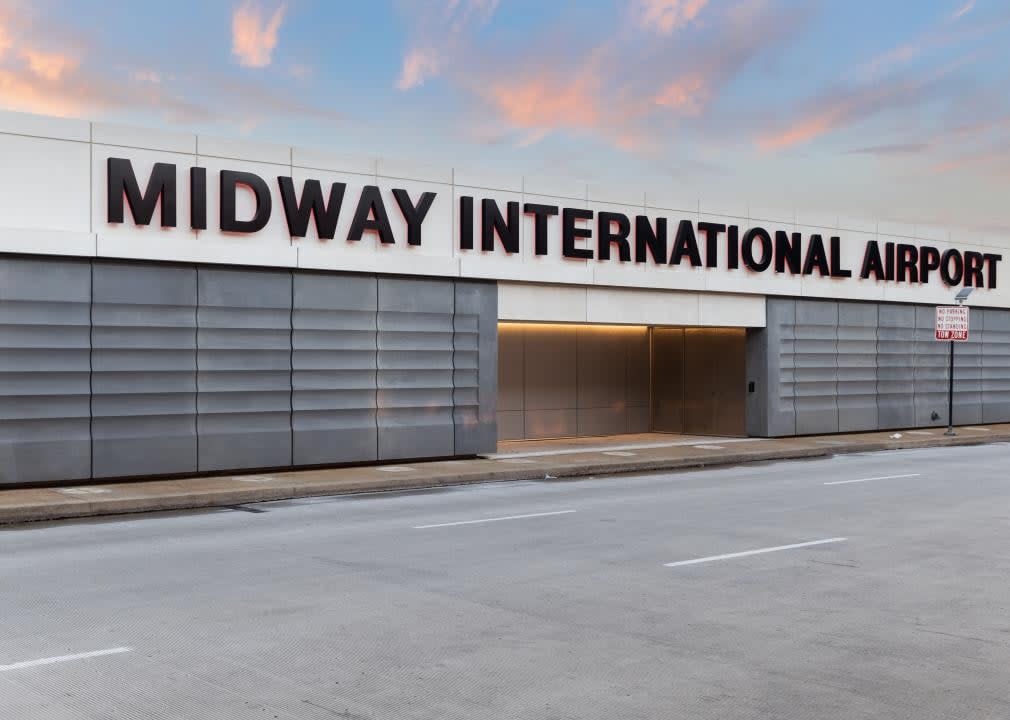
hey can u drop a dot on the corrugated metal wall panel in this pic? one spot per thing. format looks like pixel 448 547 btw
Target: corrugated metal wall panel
pixel 896 366
pixel 144 369
pixel 816 372
pixel 857 366
pixel 334 369
pixel 996 366
pixel 415 373
pixel 475 367
pixel 244 369
pixel 930 372
pixel 45 414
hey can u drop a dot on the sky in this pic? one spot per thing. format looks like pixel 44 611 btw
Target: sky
pixel 886 109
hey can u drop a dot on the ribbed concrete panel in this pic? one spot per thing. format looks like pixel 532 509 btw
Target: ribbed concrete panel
pixel 244 369
pixel 44 370
pixel 930 371
pixel 968 372
pixel 475 367
pixel 816 375
pixel 334 369
pixel 144 369
pixel 996 366
pixel 857 366
pixel 896 366
pixel 415 373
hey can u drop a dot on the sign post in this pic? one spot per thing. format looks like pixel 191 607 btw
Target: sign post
pixel 952 327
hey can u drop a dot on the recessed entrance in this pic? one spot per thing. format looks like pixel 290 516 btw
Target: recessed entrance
pixel 557 380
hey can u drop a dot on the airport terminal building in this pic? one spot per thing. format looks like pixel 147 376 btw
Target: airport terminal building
pixel 176 304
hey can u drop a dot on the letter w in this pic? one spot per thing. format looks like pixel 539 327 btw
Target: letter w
pixel 312 204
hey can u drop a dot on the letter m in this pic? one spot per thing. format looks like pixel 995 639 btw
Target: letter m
pixel 123 183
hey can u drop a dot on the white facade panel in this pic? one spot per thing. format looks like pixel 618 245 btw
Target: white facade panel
pixel 56 188
pixel 44 184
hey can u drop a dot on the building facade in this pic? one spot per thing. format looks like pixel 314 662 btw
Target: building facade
pixel 174 304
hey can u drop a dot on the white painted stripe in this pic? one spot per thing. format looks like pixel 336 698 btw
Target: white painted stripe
pixel 496 519
pixel 919 432
pixel 394 468
pixel 708 447
pixel 575 449
pixel 760 551
pixel 884 477
pixel 63 658
pixel 619 453
pixel 978 429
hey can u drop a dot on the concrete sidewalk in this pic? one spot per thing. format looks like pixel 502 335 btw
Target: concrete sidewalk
pixel 556 461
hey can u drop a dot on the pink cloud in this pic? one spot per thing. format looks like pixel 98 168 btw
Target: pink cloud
pixel 254 36
pixel 963 10
pixel 418 65
pixel 665 16
pixel 439 31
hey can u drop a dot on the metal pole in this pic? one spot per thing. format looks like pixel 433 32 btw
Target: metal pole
pixel 950 394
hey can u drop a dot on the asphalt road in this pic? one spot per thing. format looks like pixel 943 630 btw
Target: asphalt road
pixel 569 599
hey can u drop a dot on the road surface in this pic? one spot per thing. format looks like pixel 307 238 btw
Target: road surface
pixel 862 586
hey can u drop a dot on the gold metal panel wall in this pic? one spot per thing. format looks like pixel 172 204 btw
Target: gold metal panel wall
pixel 715 372
pixel 572 380
pixel 668 379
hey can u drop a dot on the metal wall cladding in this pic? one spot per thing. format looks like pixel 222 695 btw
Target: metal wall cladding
pixel 995 370
pixel 415 368
pixel 475 367
pixel 45 414
pixel 857 366
pixel 244 368
pixel 890 371
pixel 815 373
pixel 118 369
pixel 572 380
pixel 895 366
pixel 143 358
pixel 333 377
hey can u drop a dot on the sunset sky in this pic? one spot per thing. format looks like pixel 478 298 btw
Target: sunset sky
pixel 896 109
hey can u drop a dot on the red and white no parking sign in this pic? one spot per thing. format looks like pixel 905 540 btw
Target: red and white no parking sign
pixel 952 323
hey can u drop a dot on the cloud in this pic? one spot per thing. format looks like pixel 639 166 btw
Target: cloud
pixel 419 64
pixel 439 29
pixel 963 10
pixel 50 66
pixel 891 149
pixel 665 16
pixel 632 89
pixel 254 36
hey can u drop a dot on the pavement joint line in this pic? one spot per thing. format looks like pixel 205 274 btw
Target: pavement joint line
pixel 63 658
pixel 495 519
pixel 883 477
pixel 759 551
pixel 633 446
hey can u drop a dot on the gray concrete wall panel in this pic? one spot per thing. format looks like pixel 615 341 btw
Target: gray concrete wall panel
pixel 857 366
pixel 415 372
pixel 815 371
pixel 143 361
pixel 475 367
pixel 333 377
pixel 45 414
pixel 244 369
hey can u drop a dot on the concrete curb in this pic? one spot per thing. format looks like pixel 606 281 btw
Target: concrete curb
pixel 189 495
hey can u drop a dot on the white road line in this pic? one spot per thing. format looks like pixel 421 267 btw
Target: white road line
pixel 978 429
pixel 497 519
pixel 619 453
pixel 63 658
pixel 394 468
pixel 919 432
pixel 708 447
pixel 884 477
pixel 760 551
